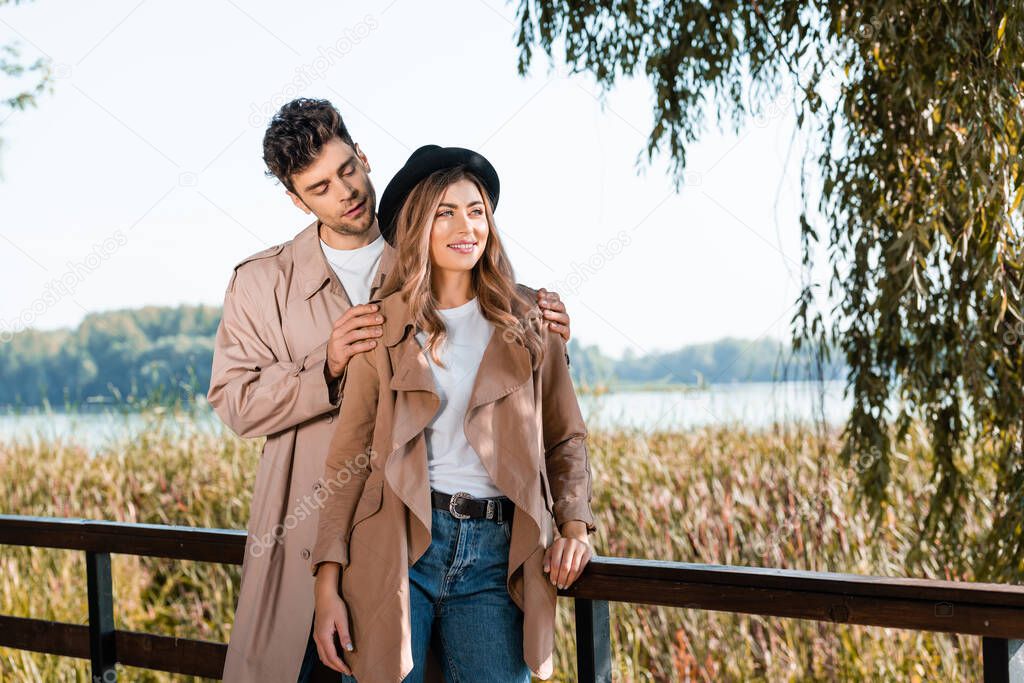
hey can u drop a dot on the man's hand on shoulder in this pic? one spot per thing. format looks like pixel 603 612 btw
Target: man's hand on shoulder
pixel 554 312
pixel 354 332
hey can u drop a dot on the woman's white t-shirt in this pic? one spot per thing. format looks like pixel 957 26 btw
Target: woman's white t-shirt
pixel 452 462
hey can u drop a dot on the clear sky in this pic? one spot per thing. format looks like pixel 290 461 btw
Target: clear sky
pixel 140 179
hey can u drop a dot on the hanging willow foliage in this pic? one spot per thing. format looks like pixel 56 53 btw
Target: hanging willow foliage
pixel 915 117
pixel 29 81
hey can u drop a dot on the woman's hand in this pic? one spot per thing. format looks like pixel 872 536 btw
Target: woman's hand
pixel 331 616
pixel 565 559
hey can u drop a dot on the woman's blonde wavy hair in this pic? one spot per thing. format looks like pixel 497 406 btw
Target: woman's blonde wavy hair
pixel 492 277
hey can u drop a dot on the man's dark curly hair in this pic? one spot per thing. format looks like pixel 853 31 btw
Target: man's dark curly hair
pixel 297 133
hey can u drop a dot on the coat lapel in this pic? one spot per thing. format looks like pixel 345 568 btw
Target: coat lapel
pixel 416 401
pixel 387 262
pixel 505 367
pixel 313 270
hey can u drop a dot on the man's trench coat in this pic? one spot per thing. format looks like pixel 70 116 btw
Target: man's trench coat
pixel 526 426
pixel 268 380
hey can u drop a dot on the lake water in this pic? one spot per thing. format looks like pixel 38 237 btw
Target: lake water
pixel 751 404
pixel 755 404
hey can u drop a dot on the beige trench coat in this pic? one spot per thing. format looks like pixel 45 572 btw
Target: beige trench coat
pixel 268 380
pixel 375 521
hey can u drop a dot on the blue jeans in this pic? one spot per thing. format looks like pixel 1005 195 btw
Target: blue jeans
pixel 457 592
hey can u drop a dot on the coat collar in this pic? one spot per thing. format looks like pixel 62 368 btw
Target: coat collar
pixel 314 271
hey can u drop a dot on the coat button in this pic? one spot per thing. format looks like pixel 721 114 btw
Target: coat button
pixel 305 553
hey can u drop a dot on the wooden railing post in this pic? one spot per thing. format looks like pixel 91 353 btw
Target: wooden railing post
pixel 101 617
pixel 593 641
pixel 1003 660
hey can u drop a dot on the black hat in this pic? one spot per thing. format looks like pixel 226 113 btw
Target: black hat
pixel 422 163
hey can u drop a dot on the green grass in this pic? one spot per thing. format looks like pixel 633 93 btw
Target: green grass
pixel 726 495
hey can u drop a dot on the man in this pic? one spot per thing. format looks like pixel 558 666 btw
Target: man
pixel 294 314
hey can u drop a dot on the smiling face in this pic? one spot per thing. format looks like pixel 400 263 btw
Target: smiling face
pixel 459 230
pixel 336 188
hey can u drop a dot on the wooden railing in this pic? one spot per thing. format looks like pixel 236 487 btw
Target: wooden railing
pixel 993 611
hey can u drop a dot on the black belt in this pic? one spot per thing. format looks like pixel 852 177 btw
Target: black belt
pixel 464 506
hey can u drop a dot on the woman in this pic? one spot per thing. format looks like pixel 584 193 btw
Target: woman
pixel 458 481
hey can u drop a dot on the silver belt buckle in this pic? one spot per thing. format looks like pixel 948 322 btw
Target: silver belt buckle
pixel 462 495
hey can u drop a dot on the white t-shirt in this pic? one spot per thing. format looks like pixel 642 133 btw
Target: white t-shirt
pixel 355 267
pixel 452 462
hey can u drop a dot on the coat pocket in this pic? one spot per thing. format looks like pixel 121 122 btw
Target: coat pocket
pixel 369 503
pixel 549 501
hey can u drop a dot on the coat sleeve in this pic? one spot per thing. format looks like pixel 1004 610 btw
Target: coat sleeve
pixel 349 459
pixel 253 392
pixel 565 433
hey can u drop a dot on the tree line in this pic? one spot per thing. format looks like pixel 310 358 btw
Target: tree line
pixel 164 354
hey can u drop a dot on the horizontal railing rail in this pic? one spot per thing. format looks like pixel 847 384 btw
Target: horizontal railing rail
pixel 993 611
